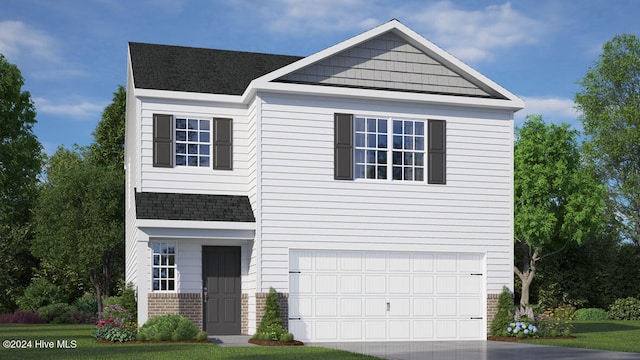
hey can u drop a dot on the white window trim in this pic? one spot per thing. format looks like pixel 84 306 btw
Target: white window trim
pixel 174 266
pixel 389 149
pixel 187 142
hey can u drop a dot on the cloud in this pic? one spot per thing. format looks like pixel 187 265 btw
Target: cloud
pixel 553 110
pixel 81 110
pixel 18 40
pixel 473 35
pixel 302 17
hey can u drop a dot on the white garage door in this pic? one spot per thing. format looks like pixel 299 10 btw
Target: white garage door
pixel 370 296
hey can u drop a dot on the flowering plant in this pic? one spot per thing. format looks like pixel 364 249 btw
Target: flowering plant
pixel 557 321
pixel 115 325
pixel 522 329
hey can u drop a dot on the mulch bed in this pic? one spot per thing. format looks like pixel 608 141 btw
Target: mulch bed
pixel 276 343
pixel 515 339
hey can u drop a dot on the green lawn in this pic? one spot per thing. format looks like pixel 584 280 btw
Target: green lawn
pixel 86 347
pixel 602 335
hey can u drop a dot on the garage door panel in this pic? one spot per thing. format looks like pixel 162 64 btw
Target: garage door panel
pixel 446 285
pixel 351 330
pixel 326 307
pixel 423 329
pixel 375 307
pixel 326 330
pixel 375 329
pixel 351 284
pixel 326 284
pixel 351 307
pixel 399 284
pixel 375 284
pixel 371 296
pixel 423 307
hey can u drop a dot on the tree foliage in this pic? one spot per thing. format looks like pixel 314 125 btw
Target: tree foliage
pixel 20 163
pixel 557 199
pixel 79 220
pixel 609 102
pixel 108 148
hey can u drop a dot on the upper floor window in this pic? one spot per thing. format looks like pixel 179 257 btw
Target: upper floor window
pixel 389 149
pixel 163 277
pixel 193 142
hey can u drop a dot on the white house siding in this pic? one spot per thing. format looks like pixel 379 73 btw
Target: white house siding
pixel 252 173
pixel 131 164
pixel 185 179
pixel 303 207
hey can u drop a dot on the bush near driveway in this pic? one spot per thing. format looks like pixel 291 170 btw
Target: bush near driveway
pixel 625 309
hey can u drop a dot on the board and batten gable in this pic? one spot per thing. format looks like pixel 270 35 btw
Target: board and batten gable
pixel 302 206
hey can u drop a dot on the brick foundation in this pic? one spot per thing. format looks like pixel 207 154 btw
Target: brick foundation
pixel 244 314
pixel 188 305
pixel 492 309
pixel 261 301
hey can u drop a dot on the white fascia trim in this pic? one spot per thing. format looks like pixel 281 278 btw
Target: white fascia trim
pixel 319 90
pixel 190 96
pixel 201 225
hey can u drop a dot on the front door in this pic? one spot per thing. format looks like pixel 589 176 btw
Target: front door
pixel 221 289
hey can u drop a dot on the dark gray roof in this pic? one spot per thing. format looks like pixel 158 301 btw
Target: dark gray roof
pixel 198 207
pixel 178 68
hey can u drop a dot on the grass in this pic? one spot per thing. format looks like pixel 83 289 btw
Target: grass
pixel 86 347
pixel 610 335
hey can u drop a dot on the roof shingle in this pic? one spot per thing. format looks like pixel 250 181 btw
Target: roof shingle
pixel 195 207
pixel 178 68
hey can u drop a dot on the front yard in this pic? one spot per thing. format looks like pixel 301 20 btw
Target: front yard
pixel 49 342
pixel 621 335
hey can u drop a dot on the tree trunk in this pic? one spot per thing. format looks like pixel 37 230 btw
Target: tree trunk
pixel 95 281
pixel 527 273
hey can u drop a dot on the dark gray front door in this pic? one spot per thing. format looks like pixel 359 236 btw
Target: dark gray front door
pixel 222 289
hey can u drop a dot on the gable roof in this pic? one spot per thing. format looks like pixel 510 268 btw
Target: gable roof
pixel 194 207
pixel 179 68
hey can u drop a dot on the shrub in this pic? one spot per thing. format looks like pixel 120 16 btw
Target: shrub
pixel 87 303
pixel 625 309
pixel 504 316
pixel 270 327
pixel 287 337
pixel 202 335
pixel 556 321
pixel 110 330
pixel 167 327
pixel 59 313
pixel 41 292
pixel 523 328
pixel 117 313
pixel 81 317
pixel 20 317
pixel 126 299
pixel 591 314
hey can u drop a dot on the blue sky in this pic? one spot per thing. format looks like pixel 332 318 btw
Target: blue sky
pixel 73 53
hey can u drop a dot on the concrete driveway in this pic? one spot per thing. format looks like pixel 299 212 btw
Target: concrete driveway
pixel 474 350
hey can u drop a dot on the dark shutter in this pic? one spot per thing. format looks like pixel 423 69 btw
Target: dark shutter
pixel 162 140
pixel 343 147
pixel 437 152
pixel 222 144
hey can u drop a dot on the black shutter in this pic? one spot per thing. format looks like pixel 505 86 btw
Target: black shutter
pixel 222 144
pixel 343 147
pixel 437 152
pixel 162 140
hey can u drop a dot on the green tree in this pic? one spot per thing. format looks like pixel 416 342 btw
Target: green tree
pixel 557 199
pixel 20 163
pixel 79 218
pixel 108 148
pixel 609 103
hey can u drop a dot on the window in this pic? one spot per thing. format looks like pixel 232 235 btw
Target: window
pixel 163 277
pixel 193 142
pixel 389 149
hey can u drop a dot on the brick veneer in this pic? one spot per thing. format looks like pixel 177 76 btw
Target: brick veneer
pixel 261 301
pixel 188 305
pixel 244 314
pixel 492 309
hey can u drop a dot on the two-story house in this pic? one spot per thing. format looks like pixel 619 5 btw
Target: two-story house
pixel 370 184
